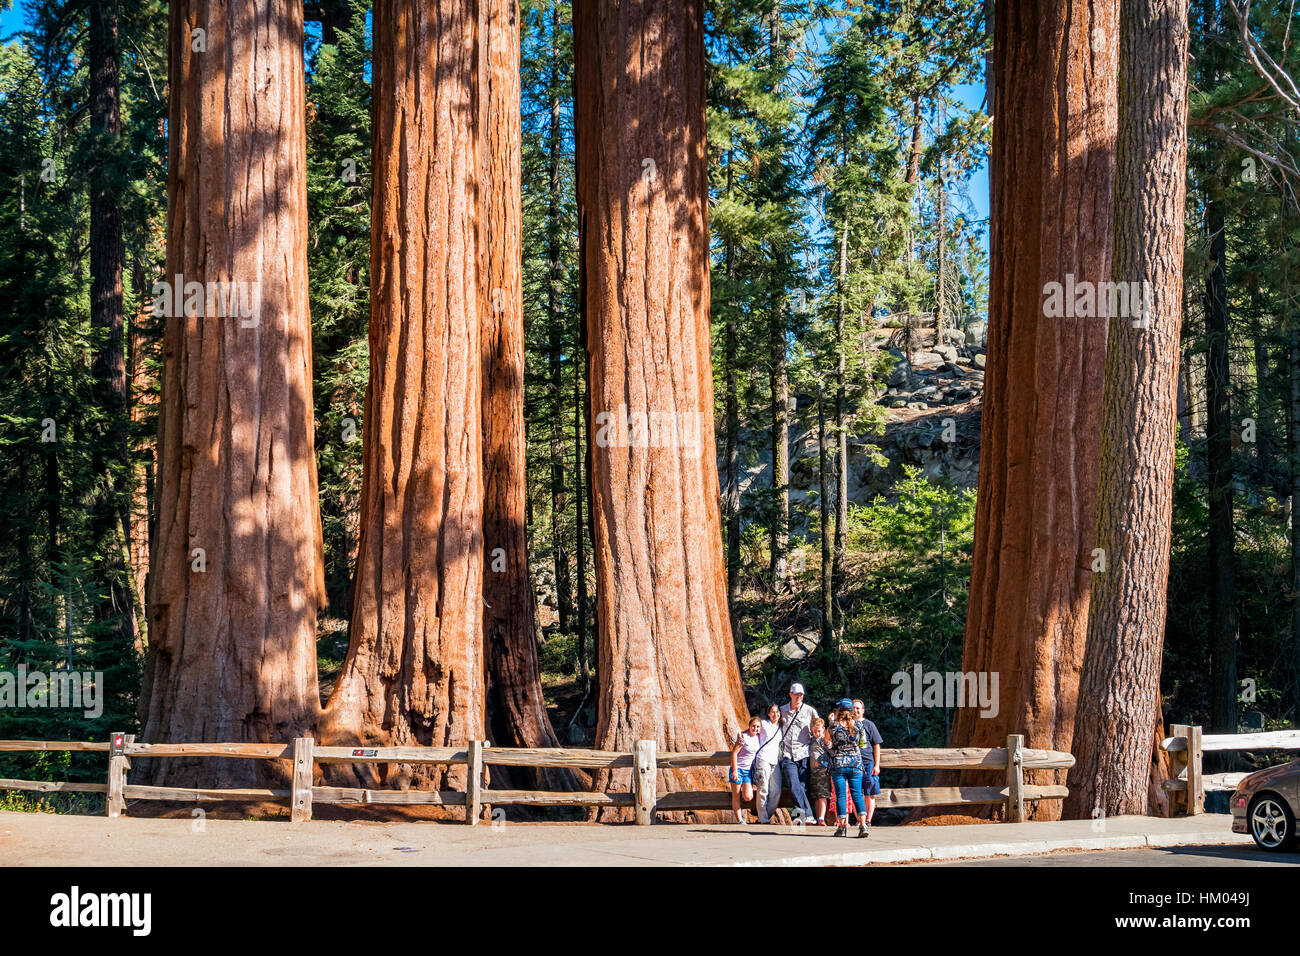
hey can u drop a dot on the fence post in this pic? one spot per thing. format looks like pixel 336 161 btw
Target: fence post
pixel 1015 778
pixel 1195 774
pixel 644 782
pixel 1178 759
pixel 300 794
pixel 474 783
pixel 116 802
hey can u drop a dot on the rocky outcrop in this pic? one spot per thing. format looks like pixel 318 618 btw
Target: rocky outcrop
pixel 931 405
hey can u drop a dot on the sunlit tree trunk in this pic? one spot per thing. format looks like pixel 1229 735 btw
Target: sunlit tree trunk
pixel 667 668
pixel 236 573
pixel 1119 688
pixel 414 672
pixel 1052 192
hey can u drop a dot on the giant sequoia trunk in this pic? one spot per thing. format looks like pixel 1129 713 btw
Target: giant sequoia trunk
pixel 509 617
pixel 236 572
pixel 667 668
pixel 1119 689
pixel 413 674
pixel 1051 179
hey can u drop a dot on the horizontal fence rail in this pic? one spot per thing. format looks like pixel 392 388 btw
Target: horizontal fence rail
pixel 1269 740
pixel 1187 782
pixel 644 762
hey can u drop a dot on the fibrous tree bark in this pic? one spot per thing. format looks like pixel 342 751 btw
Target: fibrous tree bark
pixel 517 710
pixel 1051 181
pixel 1119 688
pixel 236 572
pixel 667 668
pixel 414 672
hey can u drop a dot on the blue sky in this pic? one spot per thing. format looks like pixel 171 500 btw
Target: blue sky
pixel 972 95
pixel 11 20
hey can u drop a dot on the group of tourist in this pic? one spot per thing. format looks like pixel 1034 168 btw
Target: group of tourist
pixel 825 762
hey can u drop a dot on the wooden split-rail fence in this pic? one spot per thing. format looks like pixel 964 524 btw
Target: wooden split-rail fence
pixel 1187 747
pixel 645 762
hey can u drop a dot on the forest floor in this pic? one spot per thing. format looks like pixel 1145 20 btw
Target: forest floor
pixel 42 839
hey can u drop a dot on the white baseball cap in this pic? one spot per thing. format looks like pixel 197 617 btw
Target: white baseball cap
pixel 796 688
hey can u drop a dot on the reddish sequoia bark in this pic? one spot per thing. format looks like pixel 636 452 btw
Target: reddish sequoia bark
pixel 1119 688
pixel 232 635
pixel 413 675
pixel 1051 181
pixel 1158 771
pixel 517 709
pixel 667 668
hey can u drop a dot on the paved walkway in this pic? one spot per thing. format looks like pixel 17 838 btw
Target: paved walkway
pixel 63 840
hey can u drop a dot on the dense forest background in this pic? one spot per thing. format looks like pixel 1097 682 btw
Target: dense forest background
pixel 849 289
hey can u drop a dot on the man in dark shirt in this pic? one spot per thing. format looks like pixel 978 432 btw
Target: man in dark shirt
pixel 869 741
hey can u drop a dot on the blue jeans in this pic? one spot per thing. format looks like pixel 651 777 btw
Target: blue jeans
pixel 853 779
pixel 794 774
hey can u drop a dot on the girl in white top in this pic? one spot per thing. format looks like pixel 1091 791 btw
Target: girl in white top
pixel 743 752
pixel 765 765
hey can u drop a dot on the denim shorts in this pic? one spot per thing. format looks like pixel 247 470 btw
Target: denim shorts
pixel 870 782
pixel 745 776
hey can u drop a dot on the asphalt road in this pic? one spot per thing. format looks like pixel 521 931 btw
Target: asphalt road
pixel 1179 856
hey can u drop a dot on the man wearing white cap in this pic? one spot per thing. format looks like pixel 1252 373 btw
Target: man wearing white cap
pixel 796 720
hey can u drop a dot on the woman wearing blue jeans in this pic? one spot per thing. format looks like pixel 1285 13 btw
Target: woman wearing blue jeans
pixel 846 768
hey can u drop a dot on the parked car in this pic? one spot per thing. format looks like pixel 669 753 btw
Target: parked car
pixel 1266 805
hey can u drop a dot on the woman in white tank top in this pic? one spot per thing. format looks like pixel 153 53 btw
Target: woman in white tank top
pixel 743 752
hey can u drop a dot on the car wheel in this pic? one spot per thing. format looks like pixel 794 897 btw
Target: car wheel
pixel 1270 821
